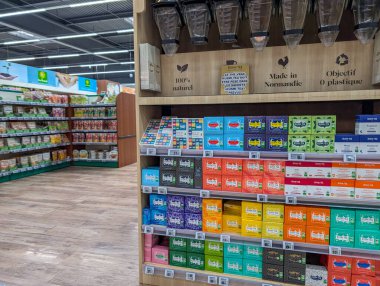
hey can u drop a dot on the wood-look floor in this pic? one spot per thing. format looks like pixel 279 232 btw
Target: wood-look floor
pixel 73 227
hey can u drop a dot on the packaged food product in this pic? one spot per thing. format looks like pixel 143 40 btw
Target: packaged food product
pixel 83 154
pixel 3 127
pixel 75 154
pixel 253 167
pixel 275 168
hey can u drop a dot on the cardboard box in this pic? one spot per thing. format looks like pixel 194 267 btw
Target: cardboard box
pixel 343 237
pixel 273 272
pixel 234 124
pixel 367 124
pixel 253 167
pixel 150 63
pixel 158 217
pixel 252 228
pixel 160 254
pixel 273 212
pixel 367 219
pixel 185 164
pixel 252 211
pixel 195 134
pixel 214 248
pixel 274 168
pixel 344 189
pixel 168 178
pixel 342 218
pixel 147 254
pixel 360 280
pixel 339 279
pixel 212 207
pixel 295 232
pixel 214 263
pixel 316 275
pixel 175 203
pixel 368 172
pixel 367 190
pixel 299 143
pixel 232 207
pixel 212 224
pixel 362 266
pixel 233 250
pixel 193 205
pixel 212 166
pixel 198 180
pixel 296 187
pixel 273 185
pixel 253 268
pixel 369 144
pixel 339 264
pixel 213 142
pixel 252 184
pixel 319 170
pixel 212 182
pixel 233 266
pixel 178 258
pixel 277 124
pixel 158 202
pixel 195 246
pixel 254 124
pixel 232 183
pixel 295 258
pixel 297 169
pixel 168 163
pixel 255 142
pixel 232 167
pixel 324 124
pixel 273 230
pixel 180 134
pixel 185 180
pixel 317 235
pixel 300 124
pixel 367 239
pixel 213 125
pixel 318 216
pixel 319 188
pixel 294 275
pixel 347 144
pixel 253 252
pixel 232 224
pixel 196 261
pixel 273 256
pixel 233 142
pixel 150 240
pixel 150 176
pixel 193 221
pixel 295 215
pixel 176 220
pixel 322 143
pixel 178 244
pixel 277 143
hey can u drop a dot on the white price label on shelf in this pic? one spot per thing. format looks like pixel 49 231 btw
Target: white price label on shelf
pixel 147 189
pixel 296 156
pixel 262 198
pixel 225 238
pixel 287 245
pixel 265 284
pixel 204 194
pixel 149 270
pixel 200 235
pixel 213 280
pixel 208 153
pixel 349 158
pixel 254 155
pixel 162 190
pixel 174 152
pixel 169 273
pixel 151 151
pixel 291 200
pixel 224 281
pixel 268 243
pixel 190 276
pixel 148 229
pixel 170 232
pixel 334 250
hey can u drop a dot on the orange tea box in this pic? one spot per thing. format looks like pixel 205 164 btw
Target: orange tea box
pixel 212 224
pixel 318 235
pixel 274 168
pixel 318 216
pixel 368 171
pixel 231 183
pixel 232 167
pixel 212 182
pixel 273 230
pixel 253 167
pixel 232 224
pixel 252 184
pixel 212 166
pixel 344 189
pixel 251 228
pixel 274 185
pixel 342 170
pixel 212 207
pixel 294 232
pixel 367 190
pixel 273 212
pixel 295 215
pixel 252 211
pixel 363 266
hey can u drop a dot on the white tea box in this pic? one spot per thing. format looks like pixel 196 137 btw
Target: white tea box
pixel 347 143
pixel 367 124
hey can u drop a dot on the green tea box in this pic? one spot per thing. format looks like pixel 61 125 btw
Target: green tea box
pixel 253 268
pixel 342 218
pixel 178 244
pixel 324 124
pixel 343 237
pixel 299 143
pixel 367 239
pixel 233 266
pixel 196 246
pixel 300 124
pixel 233 250
pixel 178 258
pixel 253 252
pixel 322 143
pixel 196 261
pixel 366 219
pixel 214 263
pixel 214 248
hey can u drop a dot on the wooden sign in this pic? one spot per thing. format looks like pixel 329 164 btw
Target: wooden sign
pixel 344 66
pixel 234 80
pixel 376 60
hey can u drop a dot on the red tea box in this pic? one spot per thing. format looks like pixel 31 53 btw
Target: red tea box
pixel 319 188
pixel 252 184
pixel 321 170
pixel 296 187
pixel 359 280
pixel 274 168
pixel 362 266
pixel 339 279
pixel 296 169
pixel 231 183
pixel 232 167
pixel 212 166
pixel 253 167
pixel 341 264
pixel 273 185
pixel 212 182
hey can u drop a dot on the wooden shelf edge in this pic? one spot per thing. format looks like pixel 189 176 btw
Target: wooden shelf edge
pixel 345 95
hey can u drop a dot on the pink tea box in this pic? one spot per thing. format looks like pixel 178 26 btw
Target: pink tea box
pixel 160 254
pixel 150 240
pixel 296 187
pixel 148 254
pixel 319 188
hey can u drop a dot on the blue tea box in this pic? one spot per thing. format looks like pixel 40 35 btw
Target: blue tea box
pixel 277 142
pixel 146 216
pixel 213 142
pixel 158 217
pixel 213 125
pixel 369 144
pixel 234 142
pixel 277 124
pixel 233 266
pixel 255 142
pixel 234 124
pixel 176 203
pixel 176 220
pixel 233 250
pixel 367 124
pixel 158 202
pixel 347 143
pixel 254 124
pixel 150 176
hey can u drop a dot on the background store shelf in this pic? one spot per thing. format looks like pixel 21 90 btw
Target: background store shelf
pixel 93 131
pixel 93 105
pixel 95 163
pixel 93 143
pixel 34 118
pixel 93 118
pixel 23 150
pixel 25 103
pixel 10 135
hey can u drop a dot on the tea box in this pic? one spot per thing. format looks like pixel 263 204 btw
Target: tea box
pixel 233 266
pixel 252 210
pixel 344 171
pixel 343 237
pixel 253 268
pixel 232 167
pixel 273 212
pixel 233 142
pixel 347 144
pixel 214 248
pixel 295 258
pixel 273 272
pixel 323 124
pixel 316 275
pixel 294 232
pixel 233 250
pixel 232 183
pixel 294 275
pixel 214 263
pixel 158 202
pixel 178 244
pixel 253 167
pixel 176 220
pixel 195 246
pixel 212 207
pixel 150 176
pixel 367 219
pixel 253 252
pixel 300 124
pixel 296 187
pixel 255 142
pixel 273 230
pixel 196 261
pixel 185 180
pixel 160 254
pixel 175 203
pixel 193 205
pixel 317 235
pixel 277 143
pixel 295 215
pixel 344 189
pixel 232 224
pixel 254 124
pixel 234 124
pixel 252 184
pixel 362 266
pixel 178 258
pixel 299 143
pixel 168 163
pixel 213 142
pixel 212 166
pixel 273 256
pixel 340 264
pixel 251 228
pixel 273 185
pixel 274 168
pixel 322 143
pixel 212 182
pixel 367 239
pixel 212 224
pixel 367 124
pixel 369 144
pixel 342 218
pixel 277 124
pixel 213 125
pixel 168 178
pixel 193 221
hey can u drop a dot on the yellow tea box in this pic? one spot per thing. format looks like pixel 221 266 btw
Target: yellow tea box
pixel 273 212
pixel 251 228
pixel 252 211
pixel 273 230
pixel 232 223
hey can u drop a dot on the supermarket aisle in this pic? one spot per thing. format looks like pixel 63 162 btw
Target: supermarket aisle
pixel 71 227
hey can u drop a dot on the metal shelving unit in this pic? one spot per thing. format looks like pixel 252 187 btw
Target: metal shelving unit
pixel 93 131
pixel 26 103
pixel 10 135
pixel 93 105
pixel 94 118
pixel 34 118
pixel 23 150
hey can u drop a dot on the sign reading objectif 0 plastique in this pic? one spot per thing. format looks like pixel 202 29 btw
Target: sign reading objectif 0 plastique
pixel 234 80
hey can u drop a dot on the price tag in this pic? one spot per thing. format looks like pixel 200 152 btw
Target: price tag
pixel 213 280
pixel 204 194
pixel 29 169
pixel 287 245
pixel 162 190
pixel 149 270
pixel 174 152
pixel 170 232
pixel 291 200
pixel 190 276
pixel 225 238
pixel 151 151
pixel 266 285
pixel 254 155
pixel 169 273
pixel 334 250
pixel 200 235
pixel 266 243
pixel 296 156
pixel 262 198
pixel 349 158
pixel 208 153
pixel 147 189
pixel 148 229
pixel 224 281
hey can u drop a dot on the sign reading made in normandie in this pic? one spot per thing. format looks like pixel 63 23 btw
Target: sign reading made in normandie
pixel 313 67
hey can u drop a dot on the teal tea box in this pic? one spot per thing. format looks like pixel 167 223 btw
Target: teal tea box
pixel 253 252
pixel 233 266
pixel 342 237
pixel 367 239
pixel 366 219
pixel 300 124
pixel 342 218
pixel 233 250
pixel 253 268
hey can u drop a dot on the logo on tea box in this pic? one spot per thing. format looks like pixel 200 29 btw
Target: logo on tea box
pixel 295 233
pixel 299 124
pixel 168 162
pixel 253 268
pixel 299 142
pixel 342 219
pixel 254 124
pixel 273 213
pixel 214 247
pixel 317 235
pixel 322 143
pixel 253 166
pixel 185 163
pixel 195 205
pixel 213 208
pixel 273 231
pixel 194 222
pixel 159 202
pixel 233 142
pixel 233 166
pixel 276 142
pixel 168 178
pixel 318 217
pixel 324 123
pixel 196 244
pixel 214 141
pixel 368 240
pixel 253 184
pixel 367 220
pixel 215 264
pixel 342 238
pixel 254 229
pixel 274 166
pixel 212 165
pixel 196 261
pixel 178 242
pixel 212 182
pixel 233 266
pixel 175 204
pixel 252 211
pixel 296 215
pixel 232 183
pixel 233 249
pixel 173 220
pixel 177 258
pixel 316 277
pixel 212 224
pixel 151 178
pixel 254 142
pixel 276 124
pixel 274 185
pixel 159 217
pixel 253 251
pixel 185 179
pixel 232 223
pixel 182 68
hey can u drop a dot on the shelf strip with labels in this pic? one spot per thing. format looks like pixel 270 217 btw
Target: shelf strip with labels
pixel 95 143
pixel 93 118
pixel 290 200
pixel 23 150
pixel 93 105
pixel 207 277
pixel 94 160
pixel 47 118
pixel 94 131
pixel 26 103
pixel 267 243
pixel 10 135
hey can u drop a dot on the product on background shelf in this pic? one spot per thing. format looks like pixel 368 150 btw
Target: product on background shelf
pixel 323 124
pixel 300 125
pixel 254 124
pixel 347 143
pixel 322 143
pixel 299 143
pixel 367 124
pixel 277 124
pixel 369 144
